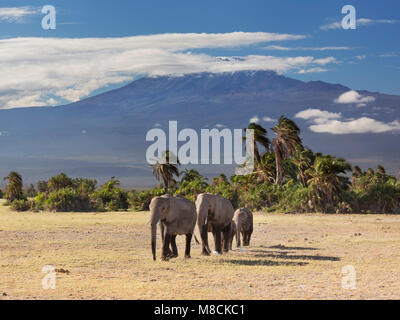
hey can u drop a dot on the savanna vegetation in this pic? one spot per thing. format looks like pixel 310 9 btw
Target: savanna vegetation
pixel 288 177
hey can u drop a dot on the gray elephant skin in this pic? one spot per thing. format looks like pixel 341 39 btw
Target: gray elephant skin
pixel 232 234
pixel 214 214
pixel 177 216
pixel 244 225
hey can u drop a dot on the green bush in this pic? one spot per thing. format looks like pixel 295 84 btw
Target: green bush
pixel 22 205
pixel 140 200
pixel 110 197
pixel 67 199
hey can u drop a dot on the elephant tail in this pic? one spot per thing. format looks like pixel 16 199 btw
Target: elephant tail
pixel 195 238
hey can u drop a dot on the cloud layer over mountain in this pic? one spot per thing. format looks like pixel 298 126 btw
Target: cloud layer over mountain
pixel 48 71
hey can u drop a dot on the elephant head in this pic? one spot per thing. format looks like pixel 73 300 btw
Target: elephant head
pixel 159 207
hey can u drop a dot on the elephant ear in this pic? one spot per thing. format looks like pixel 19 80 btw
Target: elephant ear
pixel 165 204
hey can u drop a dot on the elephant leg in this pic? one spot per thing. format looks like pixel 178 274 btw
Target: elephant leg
pixel 238 239
pixel 204 237
pixel 218 239
pixel 162 229
pixel 166 250
pixel 226 237
pixel 173 246
pixel 245 238
pixel 214 233
pixel 249 236
pixel 188 240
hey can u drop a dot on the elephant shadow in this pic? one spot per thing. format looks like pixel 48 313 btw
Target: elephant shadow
pixel 282 247
pixel 287 256
pixel 284 256
pixel 288 253
pixel 263 262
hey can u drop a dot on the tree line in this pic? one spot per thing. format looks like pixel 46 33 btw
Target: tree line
pixel 287 177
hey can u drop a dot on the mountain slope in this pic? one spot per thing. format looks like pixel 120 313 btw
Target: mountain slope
pixel 104 135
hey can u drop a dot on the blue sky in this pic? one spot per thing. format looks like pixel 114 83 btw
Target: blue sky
pixel 43 71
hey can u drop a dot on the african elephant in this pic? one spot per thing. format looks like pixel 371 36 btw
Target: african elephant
pixel 214 214
pixel 177 216
pixel 244 225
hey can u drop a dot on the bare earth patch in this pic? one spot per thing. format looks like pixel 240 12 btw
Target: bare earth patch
pixel 107 256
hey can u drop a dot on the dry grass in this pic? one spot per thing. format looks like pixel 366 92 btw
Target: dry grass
pixel 108 257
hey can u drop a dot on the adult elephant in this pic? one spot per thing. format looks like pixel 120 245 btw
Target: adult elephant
pixel 244 225
pixel 177 216
pixel 214 214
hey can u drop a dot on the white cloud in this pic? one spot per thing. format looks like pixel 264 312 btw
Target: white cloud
pixel 317 115
pixel 329 122
pixel 360 23
pixel 312 70
pixel 361 125
pixel 255 119
pixel 30 100
pixel 354 97
pixel 281 48
pixel 16 14
pixel 37 69
pixel 361 57
pixel 268 119
pixel 388 55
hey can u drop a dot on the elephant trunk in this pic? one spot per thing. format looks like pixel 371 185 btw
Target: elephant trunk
pixel 203 230
pixel 154 220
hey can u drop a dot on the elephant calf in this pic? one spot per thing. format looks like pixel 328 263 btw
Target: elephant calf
pixel 214 214
pixel 244 225
pixel 177 216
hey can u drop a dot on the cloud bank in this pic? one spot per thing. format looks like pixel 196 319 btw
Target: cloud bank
pixel 362 22
pixel 16 14
pixel 48 71
pixel 352 96
pixel 329 122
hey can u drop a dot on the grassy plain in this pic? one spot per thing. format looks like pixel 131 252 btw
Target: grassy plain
pixel 107 256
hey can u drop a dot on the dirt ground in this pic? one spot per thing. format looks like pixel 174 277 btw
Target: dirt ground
pixel 107 256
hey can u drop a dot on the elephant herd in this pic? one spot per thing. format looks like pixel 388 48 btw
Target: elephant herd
pixel 213 213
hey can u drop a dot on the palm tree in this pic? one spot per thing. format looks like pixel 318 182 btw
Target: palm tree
pixel 191 175
pixel 164 171
pixel 260 137
pixel 327 181
pixel 357 172
pixel 303 159
pixel 265 171
pixel 14 187
pixel 287 140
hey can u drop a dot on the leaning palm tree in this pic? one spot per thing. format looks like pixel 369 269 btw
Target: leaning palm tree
pixel 287 140
pixel 164 171
pixel 303 159
pixel 14 187
pixel 265 170
pixel 260 137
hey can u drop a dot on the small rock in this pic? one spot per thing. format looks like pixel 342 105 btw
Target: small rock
pixel 4 294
